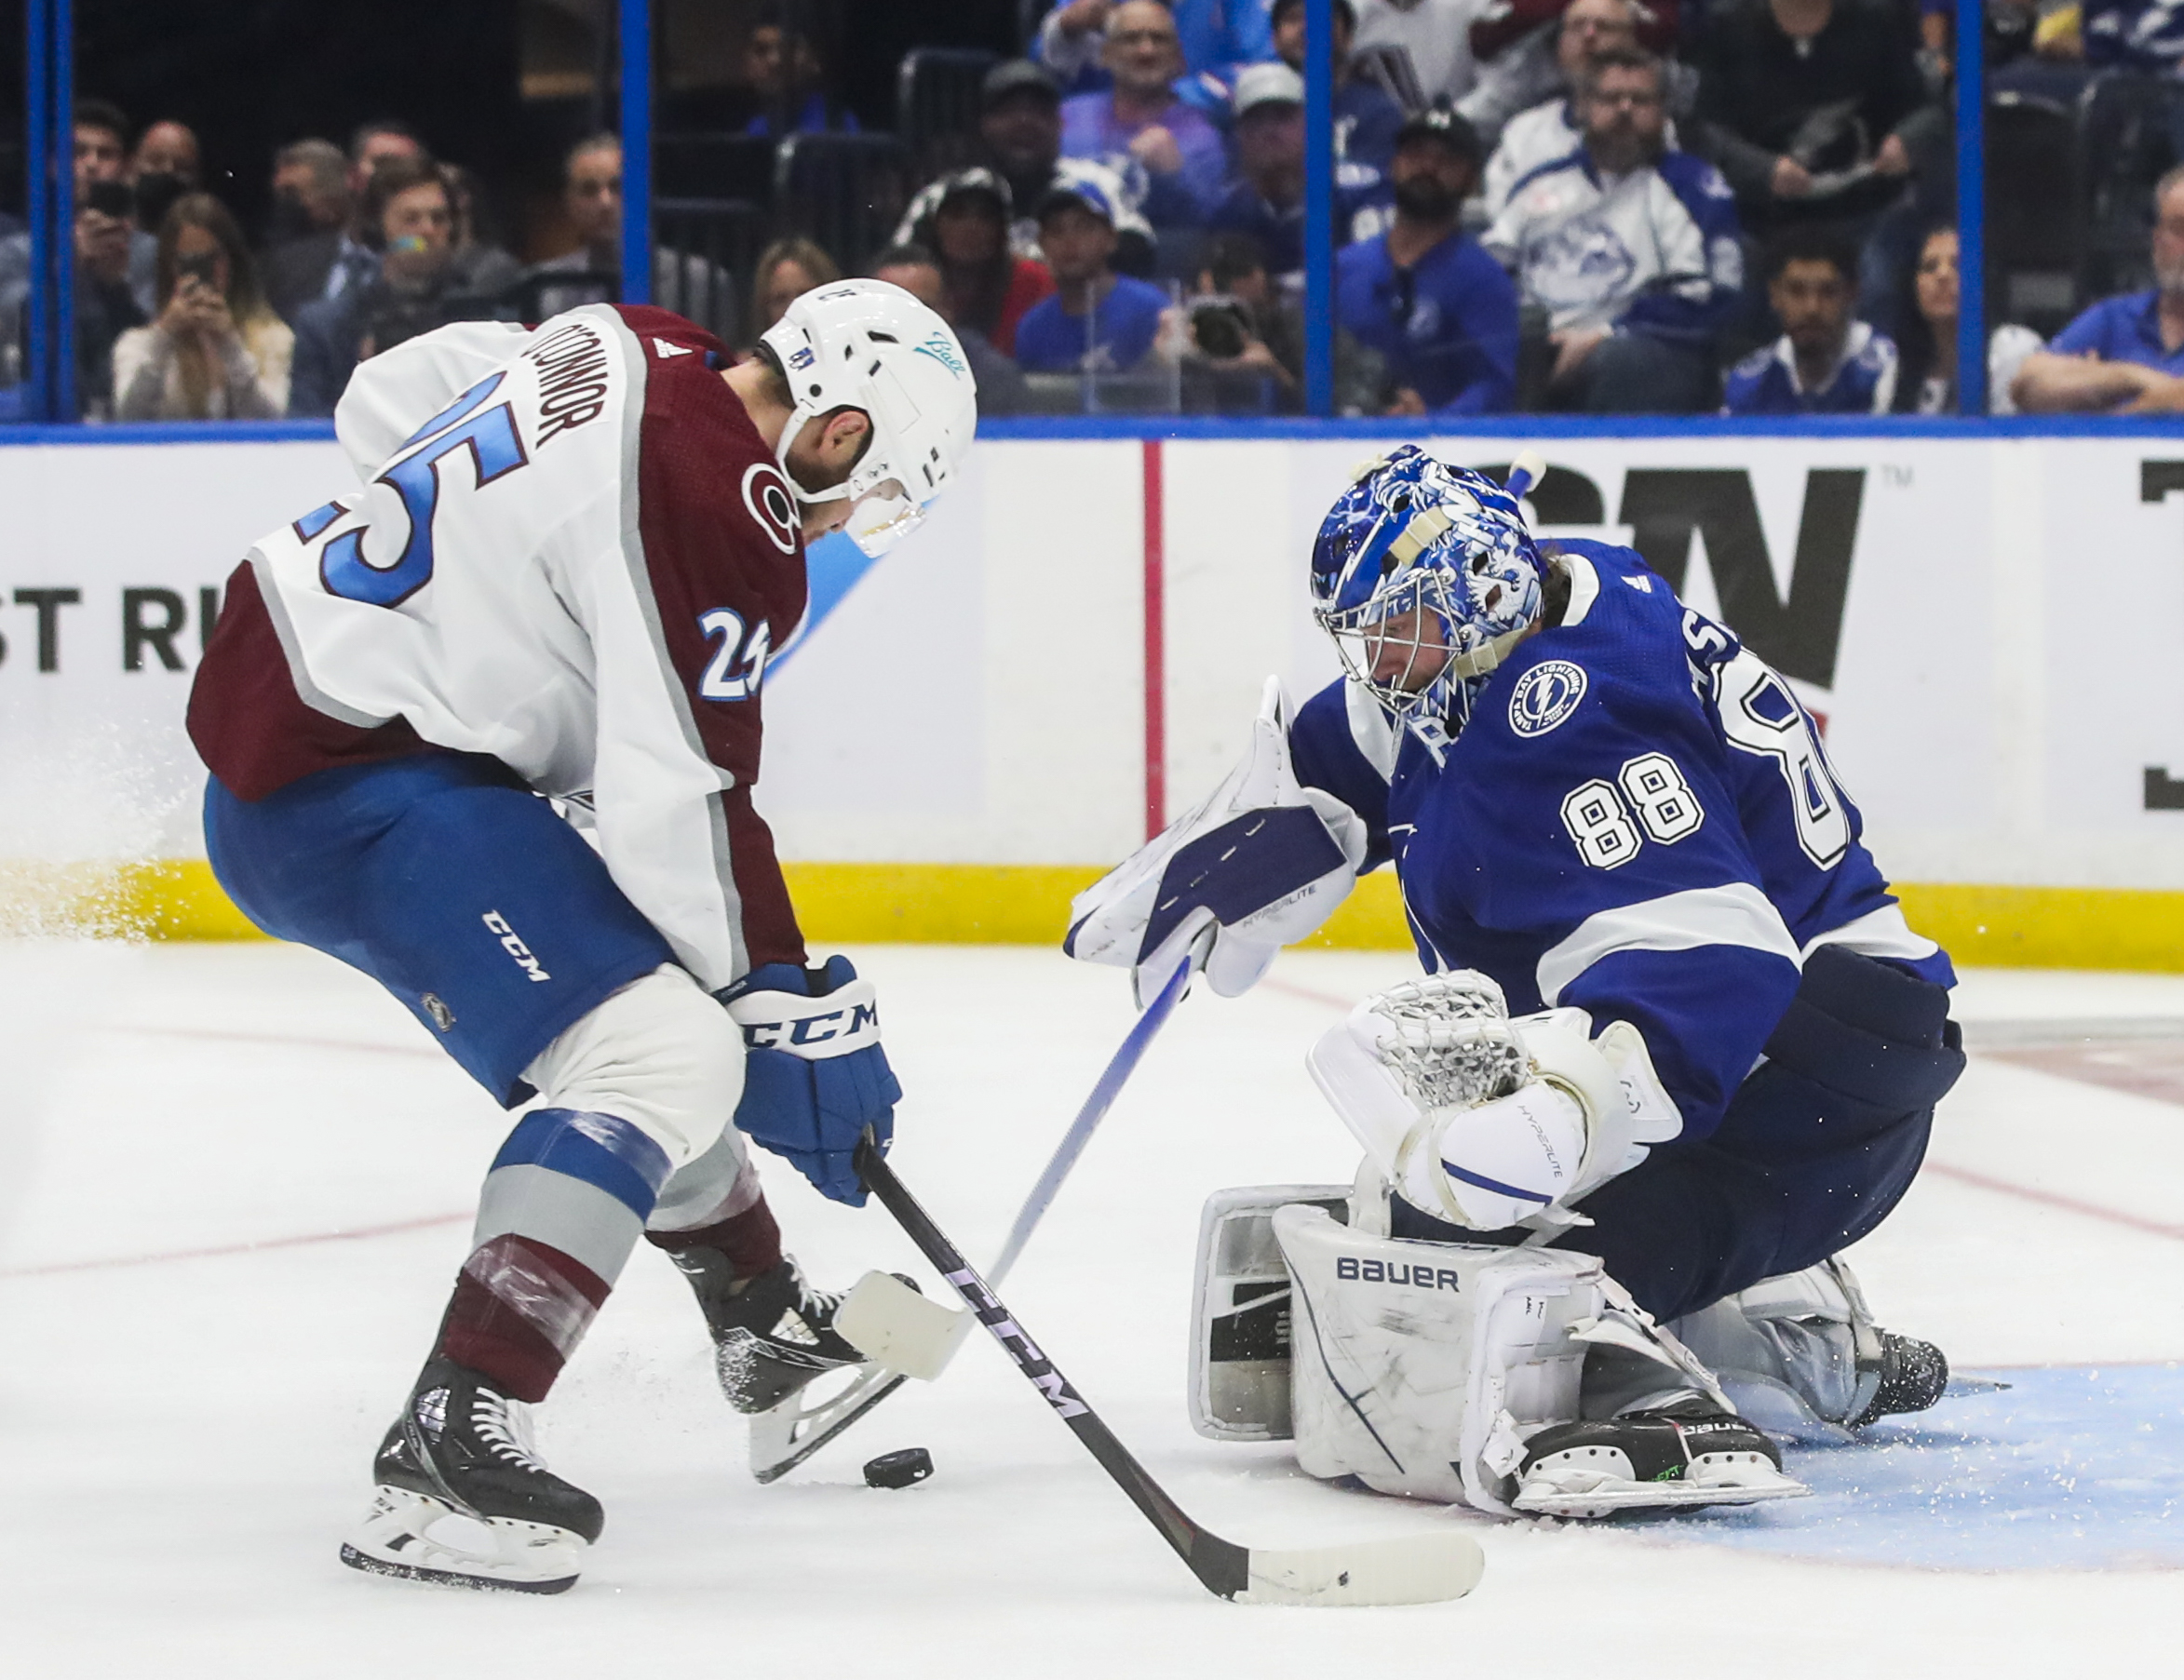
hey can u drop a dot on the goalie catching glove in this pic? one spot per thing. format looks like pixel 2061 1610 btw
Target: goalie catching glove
pixel 1485 1122
pixel 1261 864
pixel 813 1073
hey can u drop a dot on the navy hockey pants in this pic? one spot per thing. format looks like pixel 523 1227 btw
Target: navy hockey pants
pixel 454 886
pixel 1818 1145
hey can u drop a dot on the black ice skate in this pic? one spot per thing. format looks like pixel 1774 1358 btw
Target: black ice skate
pixel 1909 1375
pixel 1691 1453
pixel 770 1338
pixel 463 1498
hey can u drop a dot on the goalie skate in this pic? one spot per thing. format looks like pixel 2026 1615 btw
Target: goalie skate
pixel 463 1499
pixel 1676 1457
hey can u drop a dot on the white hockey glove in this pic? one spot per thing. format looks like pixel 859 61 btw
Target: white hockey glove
pixel 1262 863
pixel 1485 1122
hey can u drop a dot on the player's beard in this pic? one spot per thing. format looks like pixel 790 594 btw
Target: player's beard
pixel 2169 276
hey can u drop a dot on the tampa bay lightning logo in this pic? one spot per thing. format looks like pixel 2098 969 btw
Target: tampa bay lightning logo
pixel 1578 264
pixel 1544 696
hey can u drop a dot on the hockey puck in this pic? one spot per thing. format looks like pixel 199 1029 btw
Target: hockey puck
pixel 905 1469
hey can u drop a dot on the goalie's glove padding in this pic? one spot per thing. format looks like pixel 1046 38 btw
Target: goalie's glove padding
pixel 814 1075
pixel 1261 864
pixel 1485 1122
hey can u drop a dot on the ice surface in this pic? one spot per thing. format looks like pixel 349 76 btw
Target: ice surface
pixel 183 1440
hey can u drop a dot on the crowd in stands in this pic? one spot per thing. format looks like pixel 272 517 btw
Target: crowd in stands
pixel 1594 205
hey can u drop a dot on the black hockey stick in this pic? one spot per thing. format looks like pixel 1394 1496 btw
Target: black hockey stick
pixel 1419 1568
pixel 777 1449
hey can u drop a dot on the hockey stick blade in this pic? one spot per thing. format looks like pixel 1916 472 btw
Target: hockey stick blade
pixel 1408 1569
pixel 792 1432
pixel 776 1446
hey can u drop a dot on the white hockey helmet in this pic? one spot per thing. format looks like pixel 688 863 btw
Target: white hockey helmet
pixel 867 344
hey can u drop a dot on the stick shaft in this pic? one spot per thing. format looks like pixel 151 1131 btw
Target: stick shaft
pixel 1223 1566
pixel 1119 1068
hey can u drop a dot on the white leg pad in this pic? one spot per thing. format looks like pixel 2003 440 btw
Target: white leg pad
pixel 1420 1368
pixel 1240 1312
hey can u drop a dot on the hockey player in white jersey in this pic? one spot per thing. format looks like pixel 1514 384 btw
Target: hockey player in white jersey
pixel 550 610
pixel 1613 821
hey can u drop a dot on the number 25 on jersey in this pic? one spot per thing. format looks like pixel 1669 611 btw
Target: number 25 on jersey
pixel 495 451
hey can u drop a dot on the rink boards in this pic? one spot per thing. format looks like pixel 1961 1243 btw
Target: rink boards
pixel 1073 646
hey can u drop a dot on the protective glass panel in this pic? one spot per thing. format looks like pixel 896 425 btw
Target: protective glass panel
pixel 246 231
pixel 16 392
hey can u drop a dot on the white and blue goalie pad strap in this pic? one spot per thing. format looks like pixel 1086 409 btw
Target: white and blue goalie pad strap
pixel 1260 865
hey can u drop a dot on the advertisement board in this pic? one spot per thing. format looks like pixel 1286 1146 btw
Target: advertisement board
pixel 1072 647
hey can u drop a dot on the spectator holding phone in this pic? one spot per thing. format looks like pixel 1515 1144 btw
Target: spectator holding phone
pixel 215 350
pixel 105 304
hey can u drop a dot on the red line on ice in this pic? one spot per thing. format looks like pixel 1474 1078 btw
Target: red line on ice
pixel 1155 509
pixel 2069 1204
pixel 395 1229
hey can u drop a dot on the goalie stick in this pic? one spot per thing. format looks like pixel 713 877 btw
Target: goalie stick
pixel 777 1446
pixel 1417 1568
pixel 1124 1062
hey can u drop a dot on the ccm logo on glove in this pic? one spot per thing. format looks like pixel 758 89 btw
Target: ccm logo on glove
pixel 836 1025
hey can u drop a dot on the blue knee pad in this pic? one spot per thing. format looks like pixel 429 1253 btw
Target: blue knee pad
pixel 448 881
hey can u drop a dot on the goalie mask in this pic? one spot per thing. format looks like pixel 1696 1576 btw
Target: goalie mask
pixel 1425 575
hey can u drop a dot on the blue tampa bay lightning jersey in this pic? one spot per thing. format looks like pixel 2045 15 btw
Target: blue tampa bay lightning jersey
pixel 1637 820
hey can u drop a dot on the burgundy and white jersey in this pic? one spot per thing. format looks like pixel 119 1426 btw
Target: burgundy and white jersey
pixel 572 552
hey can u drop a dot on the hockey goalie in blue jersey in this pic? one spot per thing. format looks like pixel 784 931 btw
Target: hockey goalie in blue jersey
pixel 1675 1049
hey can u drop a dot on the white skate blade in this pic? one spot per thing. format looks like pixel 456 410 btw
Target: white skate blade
pixel 413 1538
pixel 1408 1569
pixel 892 1325
pixel 1577 1491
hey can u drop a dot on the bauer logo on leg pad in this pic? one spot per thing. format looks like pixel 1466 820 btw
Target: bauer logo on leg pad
pixel 1349 1269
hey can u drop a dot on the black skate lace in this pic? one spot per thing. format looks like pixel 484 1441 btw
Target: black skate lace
pixel 501 1428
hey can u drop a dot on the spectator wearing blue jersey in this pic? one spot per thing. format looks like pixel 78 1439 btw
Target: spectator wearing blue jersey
pixel 1366 116
pixel 1140 118
pixel 2145 35
pixel 1097 321
pixel 1630 248
pixel 1826 362
pixel 1215 37
pixel 2124 355
pixel 1267 199
pixel 1424 294
pixel 781 63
